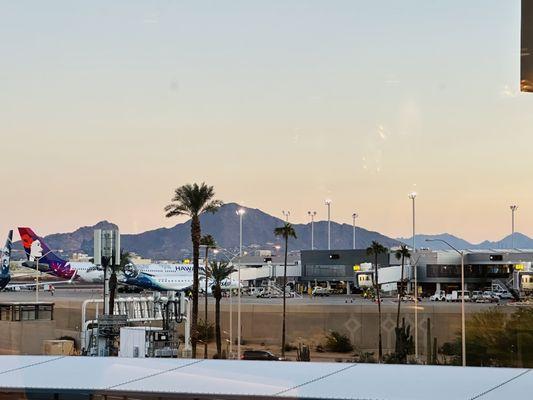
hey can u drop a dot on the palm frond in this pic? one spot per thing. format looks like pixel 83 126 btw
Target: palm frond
pixel 286 231
pixel 192 200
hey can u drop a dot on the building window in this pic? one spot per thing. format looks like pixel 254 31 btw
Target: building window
pixel 26 312
pixel 471 271
pixel 325 270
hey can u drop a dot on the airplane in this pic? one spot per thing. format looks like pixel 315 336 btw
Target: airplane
pixel 50 263
pixel 5 275
pixel 167 282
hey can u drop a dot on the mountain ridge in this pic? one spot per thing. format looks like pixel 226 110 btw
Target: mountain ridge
pixel 258 227
pixel 258 232
pixel 521 241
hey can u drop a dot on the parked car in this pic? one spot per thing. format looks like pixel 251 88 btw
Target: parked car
pixel 477 296
pixel 321 291
pixel 440 295
pixel 490 297
pixel 409 297
pixel 259 355
pixel 504 295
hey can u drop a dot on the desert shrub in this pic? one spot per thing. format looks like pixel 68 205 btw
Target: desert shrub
pixel 494 338
pixel 366 357
pixel 206 331
pixel 290 347
pixel 338 343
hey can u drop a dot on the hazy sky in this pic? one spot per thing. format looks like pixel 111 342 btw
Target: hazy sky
pixel 106 107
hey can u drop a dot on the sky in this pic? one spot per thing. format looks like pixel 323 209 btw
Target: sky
pixel 107 107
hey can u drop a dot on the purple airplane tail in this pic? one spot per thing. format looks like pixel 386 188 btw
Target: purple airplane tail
pixel 36 248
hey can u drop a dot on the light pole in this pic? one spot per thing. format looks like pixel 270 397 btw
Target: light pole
pixel 286 214
pixel 328 204
pixel 230 260
pixel 463 329
pixel 412 196
pixel 354 216
pixel 312 215
pixel 513 209
pixel 37 258
pixel 240 213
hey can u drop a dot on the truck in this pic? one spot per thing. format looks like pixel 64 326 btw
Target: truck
pixel 456 296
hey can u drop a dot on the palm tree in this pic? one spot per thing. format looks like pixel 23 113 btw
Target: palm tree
pixel 125 258
pixel 209 242
pixel 286 231
pixel 218 272
pixel 401 253
pixel 193 200
pixel 375 250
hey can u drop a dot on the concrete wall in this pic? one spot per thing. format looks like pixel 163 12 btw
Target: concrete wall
pixel 310 323
pixel 262 324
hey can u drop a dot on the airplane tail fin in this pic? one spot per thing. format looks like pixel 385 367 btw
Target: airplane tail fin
pixel 35 247
pixel 6 253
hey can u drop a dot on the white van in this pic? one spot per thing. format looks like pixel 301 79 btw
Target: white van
pixel 456 296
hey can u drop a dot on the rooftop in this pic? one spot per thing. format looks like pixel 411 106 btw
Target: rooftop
pixel 224 379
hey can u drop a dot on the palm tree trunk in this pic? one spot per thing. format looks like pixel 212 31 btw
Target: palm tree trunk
pixel 284 297
pixel 195 236
pixel 112 290
pixel 400 294
pixel 217 322
pixel 205 322
pixel 380 345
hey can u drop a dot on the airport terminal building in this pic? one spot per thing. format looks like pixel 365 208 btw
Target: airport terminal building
pixel 436 269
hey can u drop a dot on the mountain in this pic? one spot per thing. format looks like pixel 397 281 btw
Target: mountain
pixel 521 241
pixel 258 227
pixel 257 231
pixel 421 241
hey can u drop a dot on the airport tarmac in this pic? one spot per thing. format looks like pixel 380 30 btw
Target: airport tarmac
pixel 92 292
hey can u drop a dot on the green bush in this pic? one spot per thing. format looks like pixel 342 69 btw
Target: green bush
pixel 206 331
pixel 494 338
pixel 338 343
pixel 366 357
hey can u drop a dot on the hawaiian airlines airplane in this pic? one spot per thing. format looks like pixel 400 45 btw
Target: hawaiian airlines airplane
pixel 167 282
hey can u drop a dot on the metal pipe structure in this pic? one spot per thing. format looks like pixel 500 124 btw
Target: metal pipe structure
pixel 463 324
pixel 312 215
pixel 137 309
